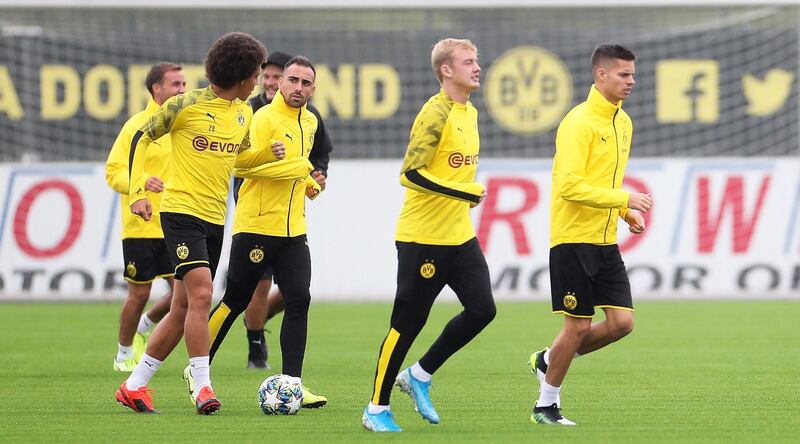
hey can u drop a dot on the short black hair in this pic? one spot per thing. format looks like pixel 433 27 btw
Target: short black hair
pixel 608 51
pixel 232 58
pixel 302 61
pixel 157 72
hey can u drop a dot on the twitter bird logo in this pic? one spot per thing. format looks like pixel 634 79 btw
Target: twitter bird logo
pixel 765 97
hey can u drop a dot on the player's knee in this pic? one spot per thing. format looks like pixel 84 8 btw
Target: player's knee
pixel 623 327
pixel 139 293
pixel 483 315
pixel 236 297
pixel 297 300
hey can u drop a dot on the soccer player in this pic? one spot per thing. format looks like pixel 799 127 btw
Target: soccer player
pixel 586 270
pixel 269 228
pixel 264 304
pixel 208 127
pixel 143 247
pixel 436 244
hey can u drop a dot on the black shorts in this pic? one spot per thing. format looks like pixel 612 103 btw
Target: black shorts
pixel 146 260
pixel 255 257
pixel 585 276
pixel 192 242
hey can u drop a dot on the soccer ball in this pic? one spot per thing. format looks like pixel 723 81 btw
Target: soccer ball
pixel 280 395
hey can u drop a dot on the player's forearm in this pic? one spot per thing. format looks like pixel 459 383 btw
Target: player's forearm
pixel 136 177
pixel 289 169
pixel 254 157
pixel 576 190
pixel 425 182
pixel 117 178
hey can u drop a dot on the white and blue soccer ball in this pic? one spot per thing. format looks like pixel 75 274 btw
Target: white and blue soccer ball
pixel 280 395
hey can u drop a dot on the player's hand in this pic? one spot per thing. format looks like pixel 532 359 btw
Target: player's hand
pixel 640 201
pixel 635 221
pixel 480 200
pixel 279 149
pixel 154 184
pixel 311 192
pixel 320 178
pixel 142 208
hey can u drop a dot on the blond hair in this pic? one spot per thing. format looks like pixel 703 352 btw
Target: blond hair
pixel 443 52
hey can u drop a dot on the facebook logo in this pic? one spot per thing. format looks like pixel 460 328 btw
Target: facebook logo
pixel 687 91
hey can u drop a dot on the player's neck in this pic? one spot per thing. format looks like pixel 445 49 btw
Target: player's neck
pixel 226 94
pixel 456 93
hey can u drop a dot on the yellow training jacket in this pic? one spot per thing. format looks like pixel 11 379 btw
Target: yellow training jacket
pixel 207 132
pixel 155 164
pixel 272 197
pixel 439 171
pixel 592 146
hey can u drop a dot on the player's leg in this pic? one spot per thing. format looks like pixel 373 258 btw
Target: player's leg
pixel 571 269
pixel 468 276
pixel 247 262
pixel 163 268
pixel 275 304
pixel 293 270
pixel 612 293
pixel 128 320
pixel 421 271
pixel 134 393
pixel 200 267
pixel 254 319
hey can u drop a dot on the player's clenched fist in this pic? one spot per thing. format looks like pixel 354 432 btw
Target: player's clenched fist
pixel 279 150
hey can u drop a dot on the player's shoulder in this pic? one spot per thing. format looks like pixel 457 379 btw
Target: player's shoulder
pixel 188 99
pixel 437 108
pixel 135 121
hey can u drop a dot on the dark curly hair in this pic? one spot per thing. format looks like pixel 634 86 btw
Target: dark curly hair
pixel 232 58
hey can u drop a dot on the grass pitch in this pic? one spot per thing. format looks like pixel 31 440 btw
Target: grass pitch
pixel 690 372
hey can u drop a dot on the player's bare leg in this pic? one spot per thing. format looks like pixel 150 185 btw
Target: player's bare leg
pixel 199 288
pixel 617 325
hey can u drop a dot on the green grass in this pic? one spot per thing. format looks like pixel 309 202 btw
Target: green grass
pixel 691 371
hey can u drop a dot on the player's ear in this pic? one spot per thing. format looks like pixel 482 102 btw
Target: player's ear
pixel 446 70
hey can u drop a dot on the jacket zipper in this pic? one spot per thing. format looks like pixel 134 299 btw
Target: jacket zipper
pixel 614 178
pixel 291 195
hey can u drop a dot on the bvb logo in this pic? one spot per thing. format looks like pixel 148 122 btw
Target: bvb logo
pixel 528 90
pixel 131 269
pixel 256 255
pixel 427 270
pixel 182 251
pixel 570 301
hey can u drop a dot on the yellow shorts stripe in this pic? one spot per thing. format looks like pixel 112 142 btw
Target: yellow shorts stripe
pixel 615 307
pixel 383 362
pixel 164 276
pixel 572 315
pixel 215 323
pixel 182 264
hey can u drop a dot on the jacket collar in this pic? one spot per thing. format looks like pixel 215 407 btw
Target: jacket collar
pixel 282 107
pixel 152 107
pixel 600 104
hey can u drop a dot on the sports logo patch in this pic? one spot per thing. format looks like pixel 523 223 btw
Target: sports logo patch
pixel 256 255
pixel 570 301
pixel 182 251
pixel 240 117
pixel 130 270
pixel 427 270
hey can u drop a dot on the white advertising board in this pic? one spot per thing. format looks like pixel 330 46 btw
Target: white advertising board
pixel 720 228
